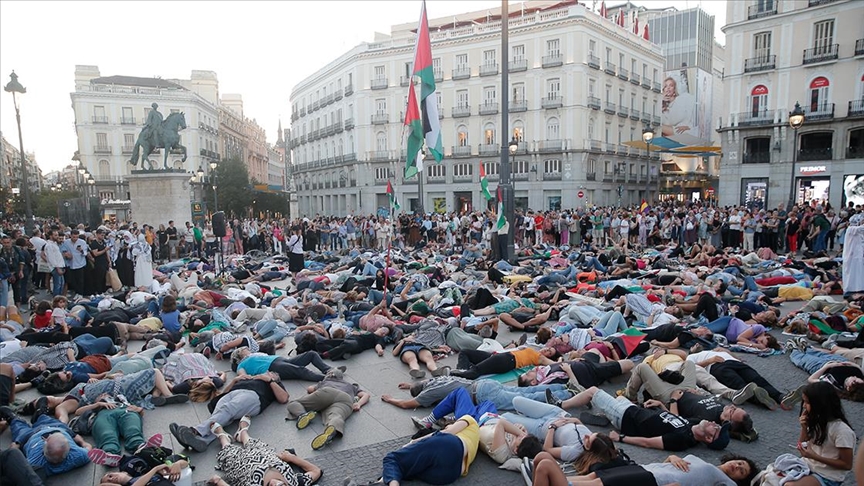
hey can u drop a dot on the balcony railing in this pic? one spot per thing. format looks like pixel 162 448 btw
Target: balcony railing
pixel 127 121
pixel 609 107
pixel 489 69
pixel 488 108
pixel 379 83
pixel 460 111
pixel 854 152
pixel 127 149
pixel 461 151
pixel 349 90
pixel 405 80
pixel 762 63
pixel 337 95
pixel 646 83
pixel 623 111
pixel 380 118
pixel 646 117
pixel 553 59
pixel 594 145
pixel 100 120
pixel 623 73
pixel 821 112
pixel 521 148
pixel 438 73
pixel 757 158
pixel 590 176
pixel 809 154
pixel 548 146
pixel 607 176
pixel 594 102
pixel 379 155
pixel 655 87
pixel 552 176
pixel 856 108
pixel 821 54
pixel 462 72
pixel 349 123
pixel 814 3
pixel 517 106
pixel 759 11
pixel 610 68
pixel 859 47
pixel 552 101
pixel 635 78
pixel 489 149
pixel 634 114
pixel 593 61
pixel 517 65
pixel 749 119
pixel 101 149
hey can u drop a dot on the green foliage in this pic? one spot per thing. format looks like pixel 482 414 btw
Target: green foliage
pixel 45 203
pixel 235 196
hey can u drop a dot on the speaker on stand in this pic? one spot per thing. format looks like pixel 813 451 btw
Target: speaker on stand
pixel 219 231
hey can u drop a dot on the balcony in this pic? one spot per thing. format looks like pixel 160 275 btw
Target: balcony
pixel 349 90
pixel 821 54
pixel 101 149
pixel 462 72
pixel 461 151
pixel 380 118
pixel 100 120
pixel 856 109
pixel 590 176
pixel 757 158
pixel 594 102
pixel 488 108
pixel 854 152
pixel 379 156
pixel 610 148
pixel 487 150
pixel 634 115
pixel 521 148
pixel 593 61
pixel 460 111
pixel 822 112
pixel 550 146
pixel 337 127
pixel 594 145
pixel 762 63
pixel 489 69
pixel 517 65
pixel 518 106
pixel 759 11
pixel 750 119
pixel 859 47
pixel 607 176
pixel 623 74
pixel 302 111
pixel 349 123
pixel 623 112
pixel 552 176
pixel 127 121
pixel 610 68
pixel 337 95
pixel 127 149
pixel 655 120
pixel 352 157
pixel 552 101
pixel 634 79
pixel 810 154
pixel 646 117
pixel 379 83
pixel 405 80
pixel 609 108
pixel 816 3
pixel 315 105
pixel 552 60
pixel 438 73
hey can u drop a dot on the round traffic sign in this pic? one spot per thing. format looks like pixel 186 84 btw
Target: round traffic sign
pixel 580 194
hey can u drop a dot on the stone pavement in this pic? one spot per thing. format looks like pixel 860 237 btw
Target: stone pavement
pixel 379 427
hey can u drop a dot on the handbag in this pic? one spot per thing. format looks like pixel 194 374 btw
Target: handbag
pixel 113 280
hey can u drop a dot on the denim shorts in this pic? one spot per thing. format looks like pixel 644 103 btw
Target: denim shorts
pixel 827 482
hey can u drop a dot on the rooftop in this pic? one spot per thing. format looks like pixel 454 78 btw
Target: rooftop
pixel 136 81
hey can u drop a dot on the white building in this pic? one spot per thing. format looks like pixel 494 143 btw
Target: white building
pixel 110 113
pixel 780 53
pixel 10 167
pixel 580 87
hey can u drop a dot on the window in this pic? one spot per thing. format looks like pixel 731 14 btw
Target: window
pixel 592 47
pixel 552 129
pixel 489 134
pixel 762 45
pixel 380 173
pixel 436 170
pixel 591 129
pixel 350 80
pixel 518 131
pixel 520 167
pixel 489 95
pixel 553 88
pixel 553 47
pixel 462 170
pixel 608 54
pixel 491 168
pixel 104 168
pixel 552 166
pixel 591 166
pixel 764 5
pixel 518 52
pixel 489 57
pixel 439 102
pixel 654 78
pixel 461 61
pixel 129 140
pixel 621 61
pixel 645 70
pixel 127 114
pixel 381 141
pixel 823 36
pixel 380 73
pixel 620 97
pixel 175 110
pixel 462 136
pixel 518 92
pixel 462 98
pixel 758 100
pixel 99 111
pixel 591 87
pixel 606 132
pixel 608 93
pixel 101 139
pixel 633 66
pixel 633 101
pixel 819 94
pixel 408 70
pixel 381 106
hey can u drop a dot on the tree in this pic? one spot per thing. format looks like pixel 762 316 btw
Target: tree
pixel 233 188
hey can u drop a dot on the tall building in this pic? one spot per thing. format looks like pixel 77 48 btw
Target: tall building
pixel 580 88
pixel 110 112
pixel 781 53
pixel 10 167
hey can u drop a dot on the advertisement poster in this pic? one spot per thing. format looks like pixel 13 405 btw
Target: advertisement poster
pixel 853 189
pixel 686 103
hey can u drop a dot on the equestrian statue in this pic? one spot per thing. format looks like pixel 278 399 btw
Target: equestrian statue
pixel 159 133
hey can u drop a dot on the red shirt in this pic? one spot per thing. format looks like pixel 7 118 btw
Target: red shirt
pixel 43 321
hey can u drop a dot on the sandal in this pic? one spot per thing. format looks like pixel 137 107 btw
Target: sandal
pixel 248 422
pixel 216 426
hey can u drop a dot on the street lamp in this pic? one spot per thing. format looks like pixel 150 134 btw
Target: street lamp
pixel 213 165
pixel 796 120
pixel 647 136
pixel 17 90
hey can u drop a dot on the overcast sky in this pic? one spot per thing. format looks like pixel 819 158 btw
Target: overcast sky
pixel 258 49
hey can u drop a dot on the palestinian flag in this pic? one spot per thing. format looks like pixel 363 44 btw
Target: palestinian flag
pixel 484 183
pixel 428 98
pixel 502 219
pixel 414 158
pixel 391 194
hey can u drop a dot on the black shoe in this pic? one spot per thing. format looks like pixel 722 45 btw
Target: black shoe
pixel 551 400
pixel 7 414
pixel 40 409
pixel 591 419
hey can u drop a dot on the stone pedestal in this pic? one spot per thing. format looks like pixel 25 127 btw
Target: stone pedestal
pixel 159 196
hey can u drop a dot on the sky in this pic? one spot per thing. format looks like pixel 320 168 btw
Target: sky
pixel 257 49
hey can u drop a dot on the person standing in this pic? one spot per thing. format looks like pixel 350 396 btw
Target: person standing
pixel 143 263
pixel 99 253
pixel 56 262
pixel 13 271
pixel 173 240
pixel 295 251
pixel 75 250
pixel 188 239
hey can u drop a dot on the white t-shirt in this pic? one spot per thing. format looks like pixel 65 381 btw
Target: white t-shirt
pixel 625 226
pixel 839 436
pixel 706 355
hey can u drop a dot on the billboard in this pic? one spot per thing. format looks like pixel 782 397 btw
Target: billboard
pixel 686 103
pixel 853 189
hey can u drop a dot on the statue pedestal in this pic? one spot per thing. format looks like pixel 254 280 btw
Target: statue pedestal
pixel 159 196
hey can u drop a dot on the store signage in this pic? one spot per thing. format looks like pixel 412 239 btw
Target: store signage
pixel 812 169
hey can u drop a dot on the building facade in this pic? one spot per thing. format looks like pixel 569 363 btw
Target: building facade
pixel 781 53
pixel 110 113
pixel 11 175
pixel 580 87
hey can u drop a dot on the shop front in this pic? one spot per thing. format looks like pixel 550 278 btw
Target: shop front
pixel 812 184
pixel 463 202
pixel 754 192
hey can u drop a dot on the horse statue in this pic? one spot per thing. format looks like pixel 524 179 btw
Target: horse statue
pixel 165 136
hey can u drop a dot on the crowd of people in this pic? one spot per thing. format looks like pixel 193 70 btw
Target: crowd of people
pixel 670 299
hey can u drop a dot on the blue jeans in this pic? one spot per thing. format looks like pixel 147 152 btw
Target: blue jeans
pixel 22 431
pixel 78 320
pixel 812 360
pixel 593 263
pixel 534 415
pixel 90 344
pixel 502 396
pixel 4 293
pixel 558 277
pixel 820 244
pixel 58 281
pixel 272 330
pixel 720 325
pixel 610 323
pixel 459 403
pixel 436 459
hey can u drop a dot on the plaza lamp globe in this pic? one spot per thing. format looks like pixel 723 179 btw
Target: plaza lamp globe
pixel 213 165
pixel 647 135
pixel 514 145
pixel 200 172
pixel 82 170
pixel 796 118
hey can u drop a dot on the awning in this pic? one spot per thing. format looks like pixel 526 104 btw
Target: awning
pixel 678 144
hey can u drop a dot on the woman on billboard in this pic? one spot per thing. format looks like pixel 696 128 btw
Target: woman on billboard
pixel 678 110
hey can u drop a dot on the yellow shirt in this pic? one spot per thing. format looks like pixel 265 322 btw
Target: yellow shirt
pixel 794 292
pixel 152 323
pixel 526 357
pixel 661 362
pixel 470 437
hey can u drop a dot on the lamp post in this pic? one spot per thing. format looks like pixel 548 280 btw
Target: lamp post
pixel 796 120
pixel 17 90
pixel 213 165
pixel 647 136
pixel 504 184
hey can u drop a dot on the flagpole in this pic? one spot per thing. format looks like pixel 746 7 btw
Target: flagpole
pixel 505 185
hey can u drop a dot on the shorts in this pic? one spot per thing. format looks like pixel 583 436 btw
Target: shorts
pixel 522 317
pixel 6 385
pixel 611 406
pixel 415 348
pixel 826 481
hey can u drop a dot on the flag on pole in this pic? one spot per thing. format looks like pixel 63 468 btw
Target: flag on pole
pixel 394 203
pixel 644 207
pixel 636 23
pixel 414 157
pixel 428 98
pixel 502 219
pixel 603 12
pixel 645 34
pixel 621 17
pixel 484 183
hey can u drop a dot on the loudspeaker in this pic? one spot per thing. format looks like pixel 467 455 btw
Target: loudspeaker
pixel 219 224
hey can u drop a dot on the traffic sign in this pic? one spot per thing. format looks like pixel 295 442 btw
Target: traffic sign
pixel 580 194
